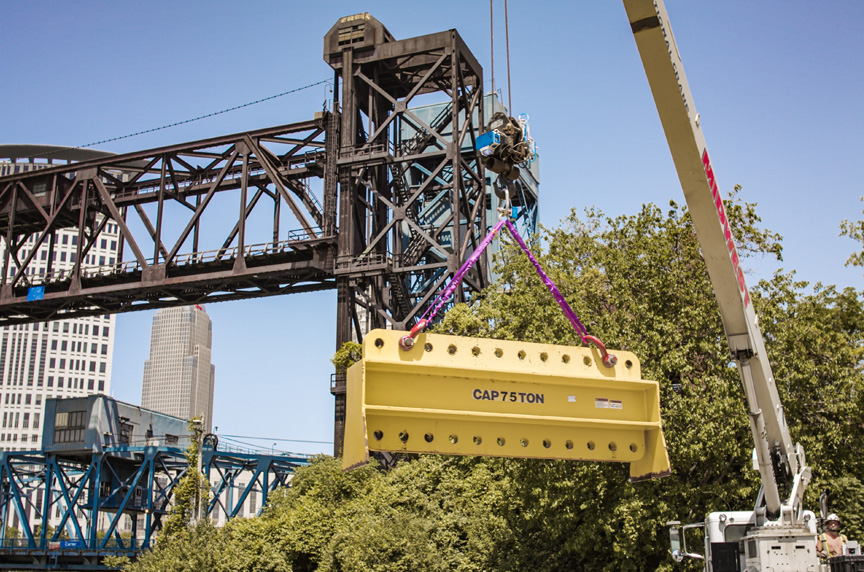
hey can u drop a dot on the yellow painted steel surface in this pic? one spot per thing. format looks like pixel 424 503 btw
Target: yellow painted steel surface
pixel 473 396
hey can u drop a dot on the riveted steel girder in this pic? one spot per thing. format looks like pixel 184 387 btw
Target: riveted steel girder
pixel 205 221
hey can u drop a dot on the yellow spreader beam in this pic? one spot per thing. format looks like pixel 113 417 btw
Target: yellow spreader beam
pixel 455 395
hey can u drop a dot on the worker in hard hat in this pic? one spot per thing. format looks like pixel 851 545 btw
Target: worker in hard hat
pixel 831 543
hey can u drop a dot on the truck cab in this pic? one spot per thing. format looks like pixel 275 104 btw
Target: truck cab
pixel 734 543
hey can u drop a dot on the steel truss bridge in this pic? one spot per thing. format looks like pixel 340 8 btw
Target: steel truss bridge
pixel 90 496
pixel 373 199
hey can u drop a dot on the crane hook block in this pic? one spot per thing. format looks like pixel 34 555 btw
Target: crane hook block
pixel 455 395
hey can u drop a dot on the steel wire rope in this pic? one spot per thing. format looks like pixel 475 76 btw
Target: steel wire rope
pixel 507 44
pixel 492 43
pixel 250 448
pixel 276 439
pixel 236 443
pixel 185 121
pixel 215 113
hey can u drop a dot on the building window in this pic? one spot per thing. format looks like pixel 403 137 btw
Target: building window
pixel 36 421
pixel 25 423
pixel 126 429
pixel 69 426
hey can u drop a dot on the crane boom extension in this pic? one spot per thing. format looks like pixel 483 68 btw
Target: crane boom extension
pixel 779 463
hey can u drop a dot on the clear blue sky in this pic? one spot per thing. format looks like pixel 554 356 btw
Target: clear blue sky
pixel 778 85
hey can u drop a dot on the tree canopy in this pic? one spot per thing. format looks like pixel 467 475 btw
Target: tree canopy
pixel 854 229
pixel 638 283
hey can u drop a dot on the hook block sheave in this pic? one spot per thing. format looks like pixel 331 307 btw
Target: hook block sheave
pixel 457 395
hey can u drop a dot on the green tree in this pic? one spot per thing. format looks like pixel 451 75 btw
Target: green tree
pixel 638 282
pixel 195 548
pixel 346 356
pixel 12 532
pixel 855 231
pixel 191 491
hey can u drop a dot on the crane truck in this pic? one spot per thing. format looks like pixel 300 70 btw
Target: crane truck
pixel 778 534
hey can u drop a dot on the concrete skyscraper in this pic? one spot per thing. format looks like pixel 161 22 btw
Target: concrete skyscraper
pixel 66 358
pixel 179 377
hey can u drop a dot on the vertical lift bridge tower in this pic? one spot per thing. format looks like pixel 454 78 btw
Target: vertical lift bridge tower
pixel 400 240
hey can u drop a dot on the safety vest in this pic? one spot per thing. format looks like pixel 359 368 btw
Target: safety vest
pixel 823 538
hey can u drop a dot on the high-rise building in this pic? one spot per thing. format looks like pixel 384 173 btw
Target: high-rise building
pixel 179 377
pixel 65 358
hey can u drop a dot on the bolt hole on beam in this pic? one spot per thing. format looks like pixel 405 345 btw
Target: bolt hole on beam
pixel 591 445
pixel 478 439
pixel 451 349
pixel 565 358
pixel 613 446
pixel 403 436
pixel 428 347
pixel 379 343
pixel 523 442
pixel 544 356
pixel 475 351
pixel 501 441
pixel 521 354
pixel 378 435
pixel 499 352
pixel 587 361
pixel 633 447
pixel 547 443
pixel 568 444
pixel 454 439
pixel 429 437
pixel 628 364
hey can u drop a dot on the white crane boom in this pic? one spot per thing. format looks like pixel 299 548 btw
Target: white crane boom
pixel 779 462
